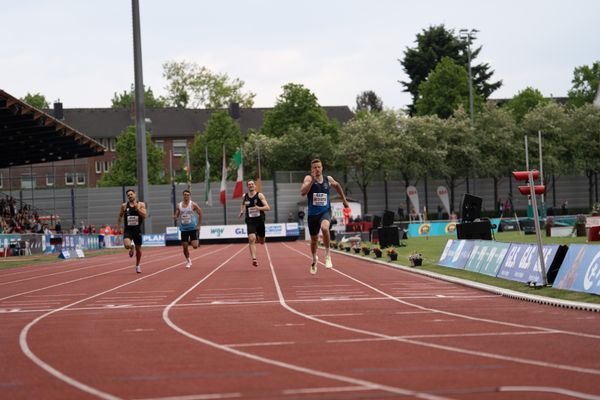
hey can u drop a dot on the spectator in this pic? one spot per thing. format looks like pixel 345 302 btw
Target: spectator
pixel 564 208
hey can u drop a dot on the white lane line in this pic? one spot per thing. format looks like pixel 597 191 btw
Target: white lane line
pixel 413 312
pixel 56 295
pixel 244 288
pixel 147 291
pixel 139 330
pixel 281 364
pixel 55 372
pixel 547 389
pixel 337 315
pixel 520 360
pixel 258 344
pixel 449 335
pixel 286 325
pixel 326 390
pixel 75 280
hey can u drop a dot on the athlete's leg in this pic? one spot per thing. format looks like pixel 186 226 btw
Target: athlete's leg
pixel 325 224
pixel 186 252
pixel 252 245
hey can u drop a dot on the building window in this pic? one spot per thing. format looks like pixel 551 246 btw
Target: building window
pixel 160 144
pixel 69 178
pixel 81 178
pixel 106 166
pixel 98 167
pixel 179 147
pixel 49 179
pixel 113 144
pixel 27 181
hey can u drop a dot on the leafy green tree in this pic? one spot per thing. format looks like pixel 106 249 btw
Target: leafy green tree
pixel 421 152
pixel 586 83
pixel 297 147
pixel 433 44
pixel 462 152
pixel 369 101
pixel 124 170
pixel 297 107
pixel 191 85
pixel 498 143
pixel 367 146
pixel 36 100
pixel 221 130
pixel 557 145
pixel 583 128
pixel 446 88
pixel 258 145
pixel 525 101
pixel 126 99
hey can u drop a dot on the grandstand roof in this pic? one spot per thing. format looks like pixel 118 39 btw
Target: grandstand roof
pixel 30 136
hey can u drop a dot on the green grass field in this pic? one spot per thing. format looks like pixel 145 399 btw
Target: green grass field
pixel 432 247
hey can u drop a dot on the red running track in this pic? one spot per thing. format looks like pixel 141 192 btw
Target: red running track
pixel 92 328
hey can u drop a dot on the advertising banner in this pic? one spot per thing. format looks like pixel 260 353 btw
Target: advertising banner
pixel 442 193
pixel 580 270
pixel 153 240
pixel 72 242
pixel 522 262
pixel 456 253
pixel 413 195
pixel 487 256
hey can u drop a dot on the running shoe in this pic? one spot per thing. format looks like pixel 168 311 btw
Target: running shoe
pixel 328 263
pixel 254 262
pixel 188 264
pixel 313 266
pixel 138 269
pixel 131 251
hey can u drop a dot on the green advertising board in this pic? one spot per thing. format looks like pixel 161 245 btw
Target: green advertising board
pixel 487 256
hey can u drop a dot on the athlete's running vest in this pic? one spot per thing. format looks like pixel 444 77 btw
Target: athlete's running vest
pixel 252 214
pixel 187 217
pixel 318 197
pixel 133 219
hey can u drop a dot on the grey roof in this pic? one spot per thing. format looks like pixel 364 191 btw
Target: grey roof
pixel 31 136
pixel 169 122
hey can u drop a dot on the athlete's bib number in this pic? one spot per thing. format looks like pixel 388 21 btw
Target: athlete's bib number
pixel 132 220
pixel 253 212
pixel 186 219
pixel 320 199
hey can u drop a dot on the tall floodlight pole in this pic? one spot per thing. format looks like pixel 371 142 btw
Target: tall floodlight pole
pixel 140 122
pixel 469 35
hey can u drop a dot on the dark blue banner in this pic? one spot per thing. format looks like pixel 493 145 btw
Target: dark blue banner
pixel 580 270
pixel 522 262
pixel 456 253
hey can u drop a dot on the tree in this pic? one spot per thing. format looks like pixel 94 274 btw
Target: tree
pixel 461 150
pixel 586 83
pixel 196 86
pixel 498 144
pixel 362 141
pixel 36 100
pixel 369 101
pixel 297 147
pixel 525 101
pixel 221 130
pixel 126 99
pixel 124 170
pixel 433 44
pixel 297 107
pixel 583 127
pixel 446 88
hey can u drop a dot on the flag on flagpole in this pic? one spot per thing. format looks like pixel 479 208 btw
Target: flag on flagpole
pixel 258 171
pixel 223 196
pixel 207 192
pixel 238 190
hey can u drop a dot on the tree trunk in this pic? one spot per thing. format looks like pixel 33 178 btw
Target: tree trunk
pixel 590 175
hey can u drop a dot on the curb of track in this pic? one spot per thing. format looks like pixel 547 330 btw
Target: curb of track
pixel 576 305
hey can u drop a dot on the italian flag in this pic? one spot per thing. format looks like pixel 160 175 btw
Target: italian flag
pixel 238 190
pixel 223 196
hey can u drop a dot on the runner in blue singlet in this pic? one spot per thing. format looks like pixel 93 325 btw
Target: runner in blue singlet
pixel 316 187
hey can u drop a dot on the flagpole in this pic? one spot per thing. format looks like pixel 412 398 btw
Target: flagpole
pixel 224 187
pixel 189 170
pixel 258 170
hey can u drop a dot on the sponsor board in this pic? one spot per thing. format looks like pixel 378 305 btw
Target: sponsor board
pixel 153 240
pixel 456 253
pixel 487 257
pixel 580 270
pixel 522 264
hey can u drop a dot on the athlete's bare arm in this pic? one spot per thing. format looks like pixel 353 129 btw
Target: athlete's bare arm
pixel 306 185
pixel 177 212
pixel 198 210
pixel 265 206
pixel 121 213
pixel 242 207
pixel 338 188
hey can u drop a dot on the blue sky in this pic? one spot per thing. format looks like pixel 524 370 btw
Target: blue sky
pixel 81 52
